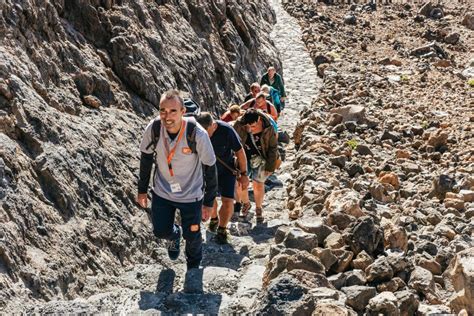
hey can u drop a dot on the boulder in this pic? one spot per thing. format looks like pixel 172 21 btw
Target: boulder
pixel 379 271
pixel 392 286
pixel 305 261
pixel 441 185
pixel 389 178
pixel 407 302
pixel 346 201
pixel 344 258
pixel 438 139
pixel 468 20
pixel 298 239
pixel 354 169
pixel 333 308
pixel 429 263
pixel 363 150
pixel 365 235
pixel 354 113
pixel 274 267
pixel 422 281
pixel 325 256
pixel 315 225
pixel 385 303
pixel 358 296
pixel 395 237
pixel 355 277
pixel 459 277
pixel 284 296
pixel 362 261
pixel 334 241
pixel 310 279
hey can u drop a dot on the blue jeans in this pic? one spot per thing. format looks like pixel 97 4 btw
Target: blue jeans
pixel 163 214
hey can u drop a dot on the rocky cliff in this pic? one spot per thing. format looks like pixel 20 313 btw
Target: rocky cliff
pixel 79 80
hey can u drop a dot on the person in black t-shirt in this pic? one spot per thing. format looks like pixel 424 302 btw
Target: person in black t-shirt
pixel 226 144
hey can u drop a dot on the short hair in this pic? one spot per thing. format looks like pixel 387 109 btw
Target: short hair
pixel 205 119
pixel 265 88
pixel 251 116
pixel 254 85
pixel 234 108
pixel 261 95
pixel 172 94
pixel 271 68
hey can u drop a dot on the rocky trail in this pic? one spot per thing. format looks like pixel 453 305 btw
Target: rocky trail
pixel 231 278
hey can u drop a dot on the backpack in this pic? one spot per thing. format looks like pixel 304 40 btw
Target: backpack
pixel 192 110
pixel 275 95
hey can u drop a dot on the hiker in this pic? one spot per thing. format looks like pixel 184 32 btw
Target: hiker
pixel 254 90
pixel 273 95
pixel 261 103
pixel 181 150
pixel 231 114
pixel 259 139
pixel 226 144
pixel 273 79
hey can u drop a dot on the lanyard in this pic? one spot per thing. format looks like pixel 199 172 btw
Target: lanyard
pixel 173 150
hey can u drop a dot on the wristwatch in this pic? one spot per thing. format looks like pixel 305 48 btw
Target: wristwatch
pixel 244 173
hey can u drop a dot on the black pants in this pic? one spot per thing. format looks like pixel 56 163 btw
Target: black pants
pixel 163 214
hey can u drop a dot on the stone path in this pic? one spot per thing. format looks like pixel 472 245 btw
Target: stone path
pixel 231 278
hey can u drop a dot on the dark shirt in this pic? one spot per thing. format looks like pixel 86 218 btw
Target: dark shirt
pixel 225 142
pixel 248 97
pixel 276 83
pixel 172 135
pixel 250 149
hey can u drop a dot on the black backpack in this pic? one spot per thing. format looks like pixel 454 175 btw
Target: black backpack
pixel 192 110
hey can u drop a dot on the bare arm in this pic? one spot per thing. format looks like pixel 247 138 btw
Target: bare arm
pixel 246 105
pixel 242 160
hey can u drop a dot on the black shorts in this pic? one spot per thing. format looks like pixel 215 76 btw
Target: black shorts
pixel 226 184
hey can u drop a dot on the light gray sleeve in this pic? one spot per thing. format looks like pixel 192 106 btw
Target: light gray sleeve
pixel 146 140
pixel 204 147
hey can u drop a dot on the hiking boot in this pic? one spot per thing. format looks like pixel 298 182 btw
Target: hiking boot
pixel 245 210
pixel 222 236
pixel 235 217
pixel 173 247
pixel 237 207
pixel 259 215
pixel 236 214
pixel 213 223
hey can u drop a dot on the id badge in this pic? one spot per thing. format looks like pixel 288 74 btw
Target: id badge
pixel 175 187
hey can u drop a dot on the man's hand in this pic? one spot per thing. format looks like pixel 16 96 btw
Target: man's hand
pixel 282 99
pixel 206 213
pixel 142 200
pixel 244 181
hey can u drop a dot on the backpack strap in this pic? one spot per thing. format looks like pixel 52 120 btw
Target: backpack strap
pixel 191 135
pixel 155 134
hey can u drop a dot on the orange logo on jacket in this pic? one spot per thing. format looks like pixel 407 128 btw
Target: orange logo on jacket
pixel 187 151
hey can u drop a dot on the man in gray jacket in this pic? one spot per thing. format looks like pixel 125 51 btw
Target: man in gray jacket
pixel 181 149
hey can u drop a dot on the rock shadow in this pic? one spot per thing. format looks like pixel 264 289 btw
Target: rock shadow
pixel 224 256
pixel 190 301
pixel 261 233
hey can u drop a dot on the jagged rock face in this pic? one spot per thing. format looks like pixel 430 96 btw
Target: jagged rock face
pixel 79 80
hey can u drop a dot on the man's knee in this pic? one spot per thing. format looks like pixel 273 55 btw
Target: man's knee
pixel 192 232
